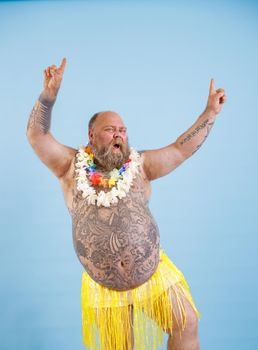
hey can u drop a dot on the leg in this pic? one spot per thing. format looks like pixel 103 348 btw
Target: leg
pixel 188 339
pixel 180 337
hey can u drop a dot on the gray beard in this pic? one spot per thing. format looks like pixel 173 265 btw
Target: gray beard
pixel 105 159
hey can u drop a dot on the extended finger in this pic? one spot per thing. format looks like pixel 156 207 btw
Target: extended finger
pixel 62 65
pixel 211 87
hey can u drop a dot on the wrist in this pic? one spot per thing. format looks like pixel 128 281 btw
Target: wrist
pixel 209 113
pixel 46 98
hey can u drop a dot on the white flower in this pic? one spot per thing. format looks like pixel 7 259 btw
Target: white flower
pixel 92 199
pixel 114 173
pixel 121 194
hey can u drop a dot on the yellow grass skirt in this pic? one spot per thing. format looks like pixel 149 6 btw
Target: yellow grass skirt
pixel 106 313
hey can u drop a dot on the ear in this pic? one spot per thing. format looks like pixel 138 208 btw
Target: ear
pixel 90 134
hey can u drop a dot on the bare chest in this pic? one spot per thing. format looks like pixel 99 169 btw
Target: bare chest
pixel 68 186
pixel 118 246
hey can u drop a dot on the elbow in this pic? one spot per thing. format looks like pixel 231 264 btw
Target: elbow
pixel 30 139
pixel 182 154
pixel 33 137
pixel 30 136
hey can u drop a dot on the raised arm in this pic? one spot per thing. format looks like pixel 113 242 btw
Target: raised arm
pixel 55 156
pixel 162 161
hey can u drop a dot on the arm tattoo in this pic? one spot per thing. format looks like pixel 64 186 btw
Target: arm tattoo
pixel 193 133
pixel 209 126
pixel 196 131
pixel 40 117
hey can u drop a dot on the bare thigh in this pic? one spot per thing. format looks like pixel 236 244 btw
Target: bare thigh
pixel 179 319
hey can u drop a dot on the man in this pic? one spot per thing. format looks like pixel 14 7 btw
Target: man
pixel 131 292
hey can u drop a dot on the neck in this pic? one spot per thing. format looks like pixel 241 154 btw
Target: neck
pixel 101 168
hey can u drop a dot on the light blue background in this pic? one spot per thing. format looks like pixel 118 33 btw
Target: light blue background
pixel 151 61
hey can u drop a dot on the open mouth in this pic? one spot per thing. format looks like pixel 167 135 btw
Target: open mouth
pixel 117 146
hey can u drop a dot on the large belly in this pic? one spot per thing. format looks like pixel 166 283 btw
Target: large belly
pixel 118 247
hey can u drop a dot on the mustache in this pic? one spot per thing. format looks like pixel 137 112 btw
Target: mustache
pixel 117 141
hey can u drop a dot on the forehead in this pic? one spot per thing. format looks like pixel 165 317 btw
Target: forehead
pixel 108 118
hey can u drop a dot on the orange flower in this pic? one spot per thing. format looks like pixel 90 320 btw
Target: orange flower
pixel 87 149
pixel 103 182
pixel 95 179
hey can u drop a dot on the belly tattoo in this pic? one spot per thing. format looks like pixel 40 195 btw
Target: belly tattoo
pixel 119 245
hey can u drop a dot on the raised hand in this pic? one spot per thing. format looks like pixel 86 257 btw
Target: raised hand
pixel 52 79
pixel 215 99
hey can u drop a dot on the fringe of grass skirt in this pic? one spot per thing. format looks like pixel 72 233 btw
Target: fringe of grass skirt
pixel 110 318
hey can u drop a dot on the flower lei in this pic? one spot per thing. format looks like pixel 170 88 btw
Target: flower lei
pixel 120 179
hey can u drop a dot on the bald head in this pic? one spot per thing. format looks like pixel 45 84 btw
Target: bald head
pixel 104 116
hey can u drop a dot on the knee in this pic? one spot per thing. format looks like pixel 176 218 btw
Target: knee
pixel 191 325
pixel 188 325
